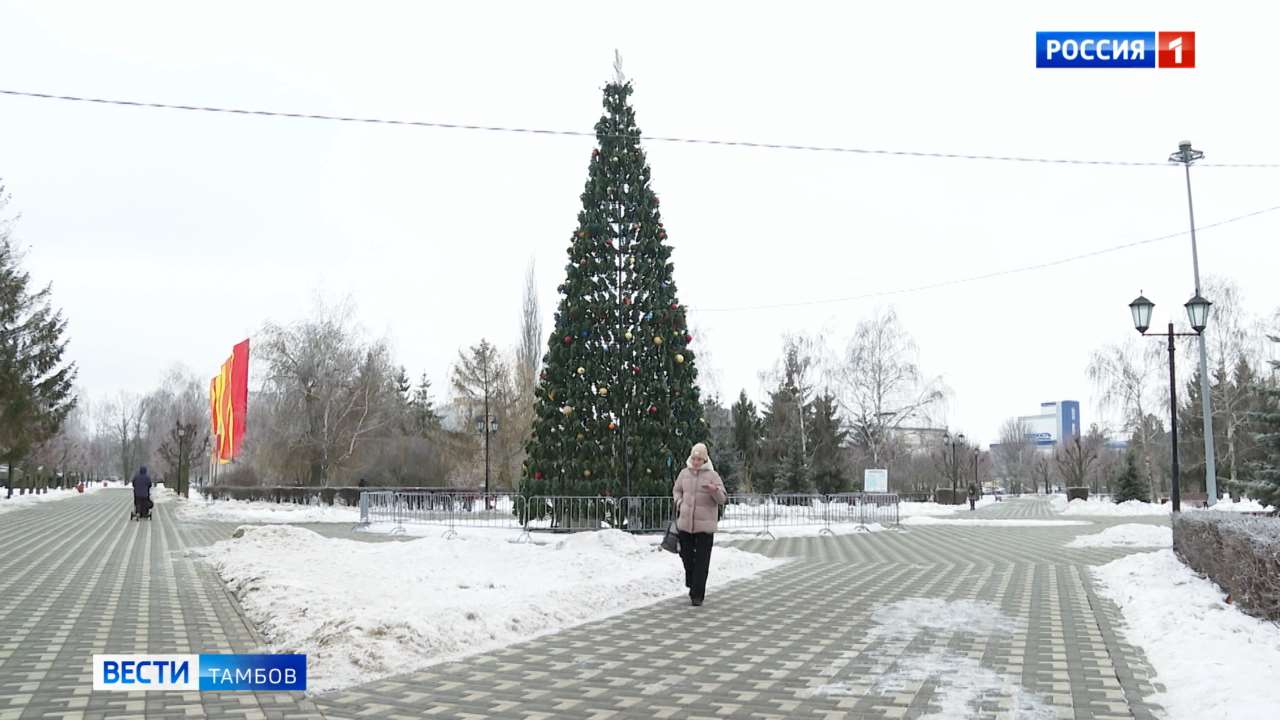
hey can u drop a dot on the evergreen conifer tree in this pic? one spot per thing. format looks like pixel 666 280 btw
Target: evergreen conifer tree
pixel 36 392
pixel 1129 486
pixel 617 404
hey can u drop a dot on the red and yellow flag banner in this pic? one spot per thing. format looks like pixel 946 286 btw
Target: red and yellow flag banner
pixel 229 402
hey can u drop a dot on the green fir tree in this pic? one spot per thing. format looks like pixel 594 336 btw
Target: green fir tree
pixel 617 404
pixel 1129 486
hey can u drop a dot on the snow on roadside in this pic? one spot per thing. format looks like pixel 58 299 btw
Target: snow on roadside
pixel 1127 535
pixel 1219 662
pixel 988 522
pixel 255 511
pixel 26 500
pixel 363 610
pixel 1137 508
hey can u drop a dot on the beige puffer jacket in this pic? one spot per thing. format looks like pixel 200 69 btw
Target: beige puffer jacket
pixel 699 507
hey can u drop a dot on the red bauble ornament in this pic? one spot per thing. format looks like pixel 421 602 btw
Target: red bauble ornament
pixel 537 475
pixel 568 339
pixel 635 369
pixel 653 409
pixel 675 306
pixel 688 338
pixel 613 426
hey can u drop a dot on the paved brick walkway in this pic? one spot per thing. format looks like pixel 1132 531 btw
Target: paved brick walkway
pixel 800 641
pixel 78 578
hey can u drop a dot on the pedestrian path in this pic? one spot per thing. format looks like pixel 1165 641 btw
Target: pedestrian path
pixel 78 578
pixel 989 622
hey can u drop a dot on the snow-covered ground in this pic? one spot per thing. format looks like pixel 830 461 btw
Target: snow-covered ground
pixel 1213 660
pixel 916 509
pixel 266 512
pixel 990 522
pixel 791 531
pixel 1127 535
pixel 18 502
pixel 962 686
pixel 1137 508
pixel 366 610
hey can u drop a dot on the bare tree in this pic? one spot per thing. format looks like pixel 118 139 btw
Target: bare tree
pixel 516 430
pixel 331 391
pixel 1014 455
pixel 1123 376
pixel 881 386
pixel 1074 460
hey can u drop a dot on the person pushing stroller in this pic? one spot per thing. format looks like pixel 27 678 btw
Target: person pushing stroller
pixel 141 495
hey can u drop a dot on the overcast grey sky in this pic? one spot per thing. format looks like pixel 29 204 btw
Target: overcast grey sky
pixel 170 235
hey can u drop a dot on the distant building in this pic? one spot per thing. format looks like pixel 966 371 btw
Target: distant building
pixel 1057 422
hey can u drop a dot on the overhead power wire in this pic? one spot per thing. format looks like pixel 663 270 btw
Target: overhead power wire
pixel 592 134
pixel 984 276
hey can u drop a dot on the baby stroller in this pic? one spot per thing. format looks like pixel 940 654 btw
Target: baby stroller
pixel 141 508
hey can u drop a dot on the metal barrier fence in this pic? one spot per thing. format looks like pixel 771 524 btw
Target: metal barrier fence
pixel 552 513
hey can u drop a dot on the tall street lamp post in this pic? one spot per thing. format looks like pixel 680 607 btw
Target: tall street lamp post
pixel 486 425
pixel 1186 155
pixel 1198 314
pixel 947 439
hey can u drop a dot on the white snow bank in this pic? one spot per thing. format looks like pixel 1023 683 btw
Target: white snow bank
pixel 1218 662
pixel 987 522
pixel 1128 535
pixel 27 500
pixel 362 611
pixel 963 688
pixel 1138 508
pixel 1229 505
pixel 913 509
pixel 256 511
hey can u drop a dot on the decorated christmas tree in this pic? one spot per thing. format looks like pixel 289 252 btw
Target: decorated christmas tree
pixel 617 403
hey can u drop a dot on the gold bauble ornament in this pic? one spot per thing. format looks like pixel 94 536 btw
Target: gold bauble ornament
pixel 567 410
pixel 580 436
pixel 657 339
pixel 628 335
pixel 586 473
pixel 679 359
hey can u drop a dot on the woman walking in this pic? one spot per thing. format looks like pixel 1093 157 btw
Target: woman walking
pixel 699 493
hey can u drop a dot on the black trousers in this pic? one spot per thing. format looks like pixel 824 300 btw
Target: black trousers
pixel 695 552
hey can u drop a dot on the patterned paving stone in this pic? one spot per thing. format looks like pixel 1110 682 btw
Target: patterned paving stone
pixel 799 641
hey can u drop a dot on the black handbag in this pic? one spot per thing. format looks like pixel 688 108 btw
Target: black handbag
pixel 671 540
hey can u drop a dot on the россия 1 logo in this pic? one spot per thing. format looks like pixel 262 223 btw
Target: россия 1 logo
pixel 1164 49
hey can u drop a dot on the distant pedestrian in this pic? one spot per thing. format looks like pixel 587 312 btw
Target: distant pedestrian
pixel 698 492
pixel 142 492
pixel 973 496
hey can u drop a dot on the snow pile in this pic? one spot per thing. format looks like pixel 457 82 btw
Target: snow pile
pixel 1138 508
pixel 363 610
pixel 1105 508
pixel 914 509
pixel 1058 503
pixel 1218 663
pixel 1128 535
pixel 988 522
pixel 17 502
pixel 1243 505
pixel 963 688
pixel 256 511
